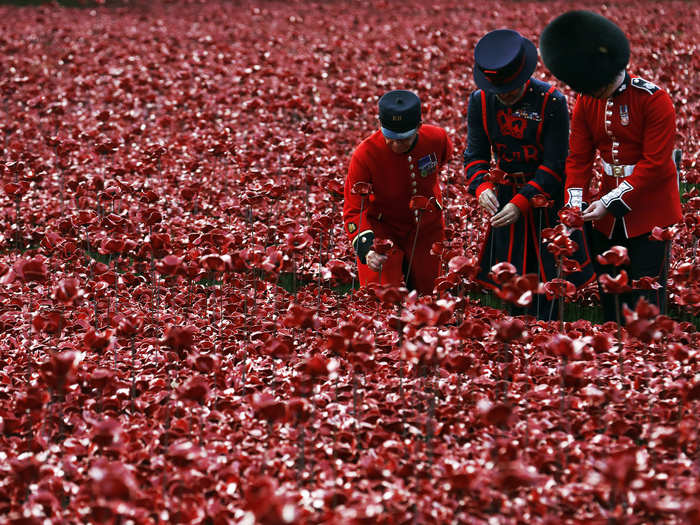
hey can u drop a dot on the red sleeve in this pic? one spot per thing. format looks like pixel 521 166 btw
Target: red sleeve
pixel 582 149
pixel 446 155
pixel 481 188
pixel 355 206
pixel 448 149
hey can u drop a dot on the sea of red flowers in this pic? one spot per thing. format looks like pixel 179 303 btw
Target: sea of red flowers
pixel 167 166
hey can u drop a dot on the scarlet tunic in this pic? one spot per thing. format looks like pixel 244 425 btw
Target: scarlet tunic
pixel 395 179
pixel 635 127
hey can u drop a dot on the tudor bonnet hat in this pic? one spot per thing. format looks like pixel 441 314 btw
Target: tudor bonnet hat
pixel 503 61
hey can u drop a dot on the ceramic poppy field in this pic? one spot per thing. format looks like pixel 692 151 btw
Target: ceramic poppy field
pixel 167 167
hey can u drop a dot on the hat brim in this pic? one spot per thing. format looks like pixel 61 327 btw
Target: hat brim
pixel 528 69
pixel 393 135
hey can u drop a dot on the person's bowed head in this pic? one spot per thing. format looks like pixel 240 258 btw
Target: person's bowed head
pixel 400 119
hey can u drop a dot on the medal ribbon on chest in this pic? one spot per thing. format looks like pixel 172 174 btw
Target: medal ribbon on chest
pixel 427 164
pixel 624 115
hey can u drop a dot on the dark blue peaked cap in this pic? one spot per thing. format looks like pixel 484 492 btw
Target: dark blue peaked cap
pixel 399 114
pixel 503 61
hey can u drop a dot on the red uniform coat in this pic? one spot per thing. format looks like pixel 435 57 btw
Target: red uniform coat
pixel 636 126
pixel 395 179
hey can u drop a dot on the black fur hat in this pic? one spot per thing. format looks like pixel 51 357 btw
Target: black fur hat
pixel 584 50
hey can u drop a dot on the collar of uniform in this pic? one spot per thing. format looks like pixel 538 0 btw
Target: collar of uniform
pixel 622 87
pixel 527 87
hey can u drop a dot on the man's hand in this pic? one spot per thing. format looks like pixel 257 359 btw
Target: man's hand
pixel 508 215
pixel 375 261
pixel 595 211
pixel 489 201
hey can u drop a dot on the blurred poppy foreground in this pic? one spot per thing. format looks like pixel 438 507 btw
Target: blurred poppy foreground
pixel 168 166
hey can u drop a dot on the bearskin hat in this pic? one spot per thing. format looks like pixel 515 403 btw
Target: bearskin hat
pixel 584 50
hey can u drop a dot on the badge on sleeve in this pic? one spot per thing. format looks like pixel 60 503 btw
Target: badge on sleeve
pixel 427 164
pixel 624 115
pixel 351 227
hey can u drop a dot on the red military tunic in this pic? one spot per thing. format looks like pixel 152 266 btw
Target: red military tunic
pixel 634 128
pixel 395 179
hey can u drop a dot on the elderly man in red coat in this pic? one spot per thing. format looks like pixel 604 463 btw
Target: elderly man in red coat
pixel 630 122
pixel 400 163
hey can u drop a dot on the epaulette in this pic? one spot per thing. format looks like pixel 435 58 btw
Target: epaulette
pixel 645 85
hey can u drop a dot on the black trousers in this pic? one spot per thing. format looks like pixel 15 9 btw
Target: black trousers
pixel 648 258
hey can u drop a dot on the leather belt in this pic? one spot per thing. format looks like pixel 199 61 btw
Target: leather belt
pixel 617 170
pixel 517 178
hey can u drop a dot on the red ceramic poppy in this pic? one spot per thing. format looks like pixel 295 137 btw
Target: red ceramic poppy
pixel 571 217
pixel 618 284
pixel 419 203
pixel 615 256
pixel 362 188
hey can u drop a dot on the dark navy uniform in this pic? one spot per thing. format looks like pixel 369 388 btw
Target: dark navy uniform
pixel 529 142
